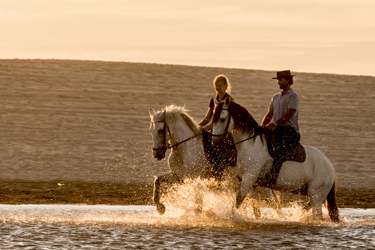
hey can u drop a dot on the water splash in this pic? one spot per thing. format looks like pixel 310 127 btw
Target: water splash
pixel 148 216
pixel 181 201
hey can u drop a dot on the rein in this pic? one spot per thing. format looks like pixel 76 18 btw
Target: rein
pixel 226 132
pixel 251 137
pixel 178 143
pixel 166 146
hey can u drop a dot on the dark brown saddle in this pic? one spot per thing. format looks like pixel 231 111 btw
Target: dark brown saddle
pixel 293 153
pixel 298 154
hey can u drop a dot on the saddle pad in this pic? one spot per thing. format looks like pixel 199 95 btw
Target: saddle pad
pixel 298 155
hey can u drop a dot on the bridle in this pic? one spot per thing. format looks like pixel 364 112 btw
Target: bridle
pixel 226 127
pixel 165 145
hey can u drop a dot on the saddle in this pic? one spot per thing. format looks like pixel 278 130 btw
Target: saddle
pixel 293 153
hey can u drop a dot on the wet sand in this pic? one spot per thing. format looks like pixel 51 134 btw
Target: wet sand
pixel 84 124
pixel 21 192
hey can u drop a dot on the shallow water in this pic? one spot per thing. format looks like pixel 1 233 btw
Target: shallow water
pixel 129 227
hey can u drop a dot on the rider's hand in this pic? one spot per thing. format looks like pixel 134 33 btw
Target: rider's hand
pixel 271 126
pixel 207 127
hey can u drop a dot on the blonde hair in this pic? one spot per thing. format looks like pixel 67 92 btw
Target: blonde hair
pixel 225 80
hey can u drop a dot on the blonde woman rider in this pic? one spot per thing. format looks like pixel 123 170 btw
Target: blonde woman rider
pixel 222 155
pixel 222 88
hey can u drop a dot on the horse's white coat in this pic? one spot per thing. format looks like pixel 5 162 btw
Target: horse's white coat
pixel 187 159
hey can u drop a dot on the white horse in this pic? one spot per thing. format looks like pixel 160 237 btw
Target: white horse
pixel 315 174
pixel 173 128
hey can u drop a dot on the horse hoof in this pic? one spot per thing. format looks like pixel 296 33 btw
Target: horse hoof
pixel 160 208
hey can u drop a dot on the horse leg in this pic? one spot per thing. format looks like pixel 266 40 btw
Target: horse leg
pixel 271 198
pixel 257 194
pixel 274 201
pixel 333 210
pixel 256 209
pixel 198 198
pixel 317 197
pixel 246 184
pixel 167 178
pixel 317 210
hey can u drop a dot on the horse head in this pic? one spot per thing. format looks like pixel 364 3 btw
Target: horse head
pixel 222 122
pixel 158 129
pixel 229 116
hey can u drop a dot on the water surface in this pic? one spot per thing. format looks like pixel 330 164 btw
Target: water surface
pixel 129 227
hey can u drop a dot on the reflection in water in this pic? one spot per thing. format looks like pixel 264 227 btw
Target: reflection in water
pixel 125 227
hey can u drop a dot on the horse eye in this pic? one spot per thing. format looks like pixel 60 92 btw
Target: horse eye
pixel 222 119
pixel 160 132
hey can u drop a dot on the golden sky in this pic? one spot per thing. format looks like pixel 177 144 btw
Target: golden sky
pixel 322 36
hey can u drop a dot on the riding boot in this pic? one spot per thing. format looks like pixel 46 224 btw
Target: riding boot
pixel 273 174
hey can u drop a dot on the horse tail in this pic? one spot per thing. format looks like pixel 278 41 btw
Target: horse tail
pixel 332 208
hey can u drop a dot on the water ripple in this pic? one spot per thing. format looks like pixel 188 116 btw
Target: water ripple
pixel 128 227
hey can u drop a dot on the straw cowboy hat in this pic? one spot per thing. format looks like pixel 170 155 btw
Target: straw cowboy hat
pixel 283 74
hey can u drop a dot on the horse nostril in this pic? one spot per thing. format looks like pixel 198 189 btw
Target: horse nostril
pixel 159 156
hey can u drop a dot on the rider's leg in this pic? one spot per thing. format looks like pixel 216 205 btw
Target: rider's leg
pixel 219 162
pixel 271 176
pixel 285 137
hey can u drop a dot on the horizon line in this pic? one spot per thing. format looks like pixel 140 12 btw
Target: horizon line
pixel 178 64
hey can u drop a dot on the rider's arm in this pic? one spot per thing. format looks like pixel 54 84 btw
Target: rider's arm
pixel 267 118
pixel 207 118
pixel 289 113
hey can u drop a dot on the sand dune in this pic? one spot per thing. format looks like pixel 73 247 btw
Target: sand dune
pixel 88 120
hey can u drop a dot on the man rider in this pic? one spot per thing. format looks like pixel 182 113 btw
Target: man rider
pixel 282 119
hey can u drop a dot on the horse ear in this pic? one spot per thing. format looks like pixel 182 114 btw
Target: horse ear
pixel 151 112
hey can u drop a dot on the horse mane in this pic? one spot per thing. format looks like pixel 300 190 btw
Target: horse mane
pixel 172 112
pixel 243 120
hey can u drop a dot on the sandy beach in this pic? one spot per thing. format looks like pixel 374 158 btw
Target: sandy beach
pixel 77 131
